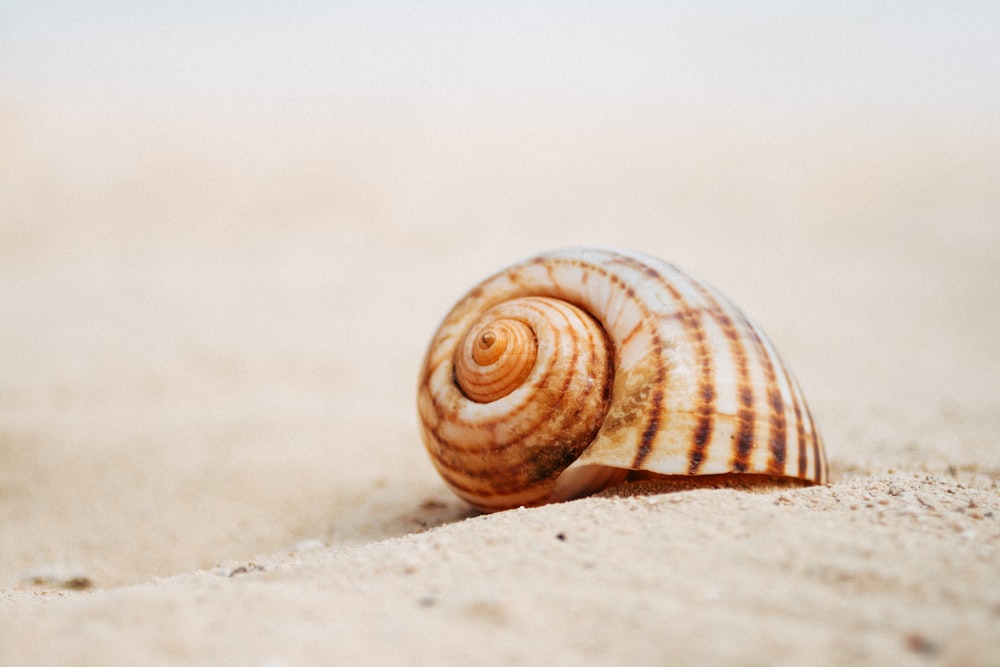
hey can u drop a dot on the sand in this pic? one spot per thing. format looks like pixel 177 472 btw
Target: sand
pixel 214 309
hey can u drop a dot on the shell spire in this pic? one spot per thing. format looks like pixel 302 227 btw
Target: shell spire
pixel 587 366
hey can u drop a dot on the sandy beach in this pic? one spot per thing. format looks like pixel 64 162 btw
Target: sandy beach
pixel 225 242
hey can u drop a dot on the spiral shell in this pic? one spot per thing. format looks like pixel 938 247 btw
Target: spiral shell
pixel 579 368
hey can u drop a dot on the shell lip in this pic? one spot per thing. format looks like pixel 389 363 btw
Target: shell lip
pixel 593 478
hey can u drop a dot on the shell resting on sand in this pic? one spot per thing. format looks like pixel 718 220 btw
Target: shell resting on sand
pixel 581 368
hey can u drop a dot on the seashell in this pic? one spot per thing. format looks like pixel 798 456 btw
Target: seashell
pixel 582 368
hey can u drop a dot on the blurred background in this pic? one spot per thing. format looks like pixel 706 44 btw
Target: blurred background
pixel 228 230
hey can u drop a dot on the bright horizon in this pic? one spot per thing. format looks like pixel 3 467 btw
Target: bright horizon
pixel 796 64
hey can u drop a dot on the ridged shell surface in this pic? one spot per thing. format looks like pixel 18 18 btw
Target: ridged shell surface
pixel 630 364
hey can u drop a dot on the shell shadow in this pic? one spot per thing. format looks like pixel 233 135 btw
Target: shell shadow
pixel 433 510
pixel 647 484
pixel 397 517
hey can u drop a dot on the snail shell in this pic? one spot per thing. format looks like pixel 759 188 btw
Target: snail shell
pixel 573 370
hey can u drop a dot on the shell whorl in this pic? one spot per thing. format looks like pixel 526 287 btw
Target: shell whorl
pixel 561 374
pixel 496 356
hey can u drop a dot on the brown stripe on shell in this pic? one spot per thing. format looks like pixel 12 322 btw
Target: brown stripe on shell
pixel 746 414
pixel 631 334
pixel 777 435
pixel 744 394
pixel 706 404
pixel 690 321
pixel 801 439
pixel 655 410
pixel 819 454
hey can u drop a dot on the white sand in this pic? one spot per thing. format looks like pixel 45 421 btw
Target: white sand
pixel 212 313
